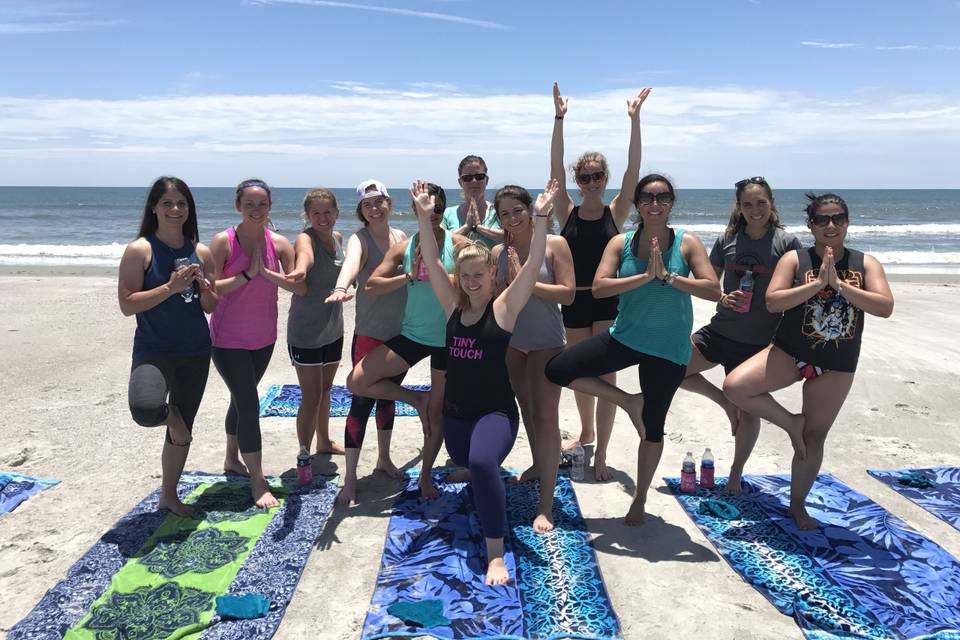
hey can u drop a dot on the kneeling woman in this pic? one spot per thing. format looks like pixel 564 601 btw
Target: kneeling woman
pixel 823 292
pixel 654 269
pixel 480 417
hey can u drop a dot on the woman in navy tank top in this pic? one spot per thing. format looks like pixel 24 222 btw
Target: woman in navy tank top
pixel 171 347
pixel 480 416
pixel 823 292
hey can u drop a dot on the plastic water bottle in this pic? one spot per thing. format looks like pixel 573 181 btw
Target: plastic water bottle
pixel 688 474
pixel 189 292
pixel 746 288
pixel 577 463
pixel 422 274
pixel 706 469
pixel 304 471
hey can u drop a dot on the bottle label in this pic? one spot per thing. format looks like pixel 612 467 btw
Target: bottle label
pixel 706 476
pixel 748 300
pixel 688 482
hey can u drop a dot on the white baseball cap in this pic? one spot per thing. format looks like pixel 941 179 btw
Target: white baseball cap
pixel 364 191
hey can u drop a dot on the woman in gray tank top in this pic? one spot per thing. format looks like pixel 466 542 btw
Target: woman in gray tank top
pixel 377 318
pixel 314 328
pixel 537 336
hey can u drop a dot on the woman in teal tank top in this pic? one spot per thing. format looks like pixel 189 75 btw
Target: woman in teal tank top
pixel 654 269
pixel 422 334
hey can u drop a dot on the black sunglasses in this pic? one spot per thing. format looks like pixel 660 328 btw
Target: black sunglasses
pixel 470 177
pixel 587 178
pixel 838 219
pixel 662 199
pixel 754 180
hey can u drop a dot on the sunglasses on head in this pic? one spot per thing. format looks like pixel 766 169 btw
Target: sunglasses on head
pixel 471 177
pixel 822 219
pixel 754 180
pixel 663 198
pixel 586 178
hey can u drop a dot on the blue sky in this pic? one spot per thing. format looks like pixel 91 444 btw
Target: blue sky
pixel 307 92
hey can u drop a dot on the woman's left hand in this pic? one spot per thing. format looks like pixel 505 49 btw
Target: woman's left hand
pixel 544 203
pixel 633 106
pixel 422 200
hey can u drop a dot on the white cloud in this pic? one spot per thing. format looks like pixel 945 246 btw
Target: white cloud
pixel 49 17
pixel 429 15
pixel 902 47
pixel 829 45
pixel 702 135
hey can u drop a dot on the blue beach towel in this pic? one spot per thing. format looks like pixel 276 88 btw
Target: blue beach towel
pixel 864 573
pixel 435 551
pixel 283 401
pixel 942 499
pixel 272 568
pixel 16 488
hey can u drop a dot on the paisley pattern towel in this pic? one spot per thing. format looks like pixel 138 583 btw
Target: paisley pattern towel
pixel 942 499
pixel 16 488
pixel 436 551
pixel 155 576
pixel 283 401
pixel 863 573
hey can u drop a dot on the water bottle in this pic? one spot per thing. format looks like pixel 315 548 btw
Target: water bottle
pixel 577 462
pixel 422 274
pixel 688 474
pixel 706 469
pixel 304 471
pixel 746 288
pixel 189 292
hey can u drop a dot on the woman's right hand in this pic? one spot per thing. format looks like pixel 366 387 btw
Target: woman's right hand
pixel 337 297
pixel 823 275
pixel 183 277
pixel 559 102
pixel 423 202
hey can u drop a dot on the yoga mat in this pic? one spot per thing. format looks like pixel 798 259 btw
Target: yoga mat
pixel 942 499
pixel 435 551
pixel 864 573
pixel 154 575
pixel 284 400
pixel 16 488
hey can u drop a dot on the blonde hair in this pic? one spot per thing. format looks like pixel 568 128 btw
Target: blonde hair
pixel 317 194
pixel 590 156
pixel 471 250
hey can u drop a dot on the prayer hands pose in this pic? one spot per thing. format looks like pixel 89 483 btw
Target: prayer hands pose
pixel 827 276
pixel 655 267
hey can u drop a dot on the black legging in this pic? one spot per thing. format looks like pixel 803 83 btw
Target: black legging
pixel 154 376
pixel 241 370
pixel 602 354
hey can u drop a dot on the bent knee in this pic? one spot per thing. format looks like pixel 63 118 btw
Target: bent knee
pixel 149 415
pixel 556 372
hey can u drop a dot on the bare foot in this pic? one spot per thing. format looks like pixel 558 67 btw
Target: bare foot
pixel 600 471
pixel 235 466
pixel 261 494
pixel 530 474
pixel 542 523
pixel 174 506
pixel 636 516
pixel 331 447
pixel 387 467
pixel 460 475
pixel 348 493
pixel 497 572
pixel 634 409
pixel 803 519
pixel 733 484
pixel 427 490
pixel 795 431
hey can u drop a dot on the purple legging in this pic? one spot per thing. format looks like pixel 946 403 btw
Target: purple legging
pixel 481 445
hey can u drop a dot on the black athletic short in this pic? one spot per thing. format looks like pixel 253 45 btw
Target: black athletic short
pixel 413 352
pixel 720 349
pixel 586 310
pixel 327 354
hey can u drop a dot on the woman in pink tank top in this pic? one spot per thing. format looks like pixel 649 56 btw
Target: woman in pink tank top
pixel 251 263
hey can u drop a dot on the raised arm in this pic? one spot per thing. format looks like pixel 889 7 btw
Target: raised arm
pixel 511 302
pixel 424 203
pixel 302 262
pixel 623 202
pixel 353 261
pixel 702 281
pixel 562 205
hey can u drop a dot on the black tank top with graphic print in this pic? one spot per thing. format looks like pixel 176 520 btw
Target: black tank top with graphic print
pixel 477 379
pixel 826 330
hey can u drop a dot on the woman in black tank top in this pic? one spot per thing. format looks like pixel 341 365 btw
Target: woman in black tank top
pixel 587 229
pixel 480 417
pixel 824 292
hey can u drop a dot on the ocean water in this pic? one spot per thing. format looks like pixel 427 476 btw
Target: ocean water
pixel 909 231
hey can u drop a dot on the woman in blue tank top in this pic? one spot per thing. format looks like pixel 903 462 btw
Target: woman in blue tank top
pixel 588 227
pixel 162 282
pixel 654 269
pixel 480 418
pixel 823 292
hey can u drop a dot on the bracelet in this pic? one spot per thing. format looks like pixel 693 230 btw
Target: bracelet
pixel 340 289
pixel 408 276
pixel 545 215
pixel 558 117
pixel 244 274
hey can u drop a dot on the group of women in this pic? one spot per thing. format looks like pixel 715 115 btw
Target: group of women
pixel 508 314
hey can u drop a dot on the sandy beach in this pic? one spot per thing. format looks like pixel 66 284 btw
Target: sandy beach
pixel 66 356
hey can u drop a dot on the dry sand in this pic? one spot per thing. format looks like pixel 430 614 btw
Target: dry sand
pixel 66 356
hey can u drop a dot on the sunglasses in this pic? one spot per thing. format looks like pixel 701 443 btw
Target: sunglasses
pixel 471 177
pixel 754 180
pixel 662 199
pixel 587 178
pixel 822 219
